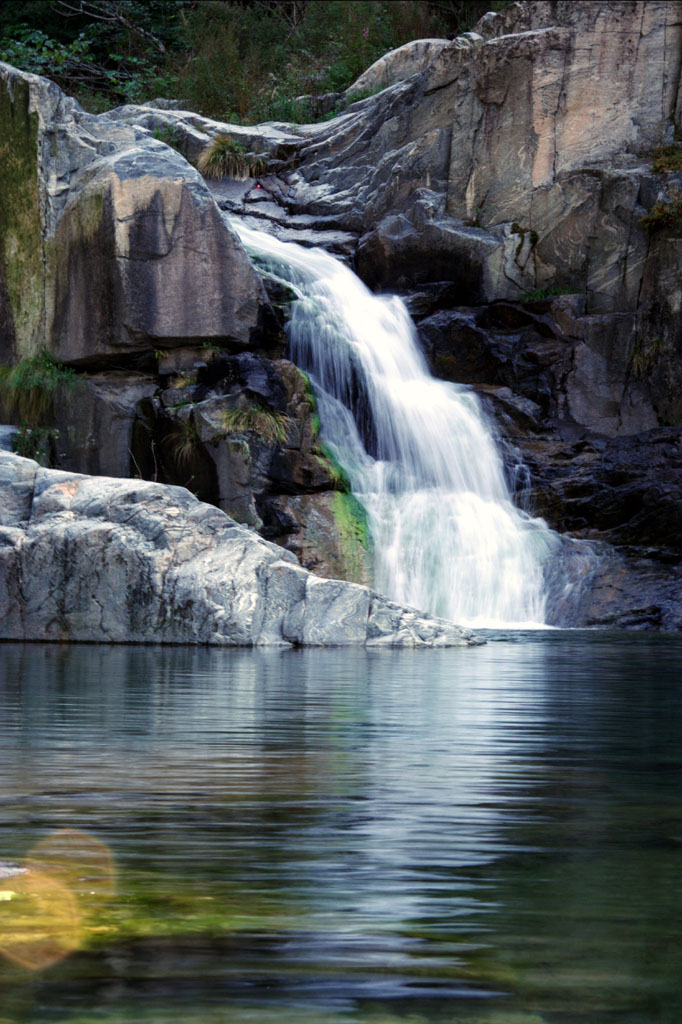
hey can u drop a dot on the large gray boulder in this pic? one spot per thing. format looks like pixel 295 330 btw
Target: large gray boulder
pixel 111 243
pixel 105 560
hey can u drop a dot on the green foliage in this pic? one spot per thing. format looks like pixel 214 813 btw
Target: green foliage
pixel 225 156
pixel 238 60
pixel 184 379
pixel 269 426
pixel 667 158
pixel 28 389
pixel 109 52
pixel 34 443
pixel 211 350
pixel 541 294
pixel 665 215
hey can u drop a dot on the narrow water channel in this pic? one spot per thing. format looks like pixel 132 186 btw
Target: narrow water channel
pixel 480 836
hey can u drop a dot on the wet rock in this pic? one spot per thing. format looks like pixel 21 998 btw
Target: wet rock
pixel 627 490
pixel 632 591
pixel 98 559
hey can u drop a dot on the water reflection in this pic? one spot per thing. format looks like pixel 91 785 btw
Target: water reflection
pixel 479 835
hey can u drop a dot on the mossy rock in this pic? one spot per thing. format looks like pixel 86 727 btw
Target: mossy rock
pixel 21 293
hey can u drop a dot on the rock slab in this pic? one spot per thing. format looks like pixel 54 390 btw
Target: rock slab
pixel 127 561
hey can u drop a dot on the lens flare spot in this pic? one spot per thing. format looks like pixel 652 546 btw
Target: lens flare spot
pixel 80 863
pixel 40 924
pixel 64 882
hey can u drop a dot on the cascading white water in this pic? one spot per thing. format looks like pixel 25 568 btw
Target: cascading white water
pixel 419 454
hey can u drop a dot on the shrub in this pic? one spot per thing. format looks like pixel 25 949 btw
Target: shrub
pixel 665 215
pixel 667 158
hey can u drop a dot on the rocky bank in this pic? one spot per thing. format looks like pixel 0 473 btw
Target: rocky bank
pixel 501 181
pixel 95 558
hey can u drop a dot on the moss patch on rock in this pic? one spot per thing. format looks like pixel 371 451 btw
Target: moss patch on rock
pixel 351 522
pixel 21 290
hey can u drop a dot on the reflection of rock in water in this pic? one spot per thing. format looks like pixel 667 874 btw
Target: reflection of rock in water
pixel 10 870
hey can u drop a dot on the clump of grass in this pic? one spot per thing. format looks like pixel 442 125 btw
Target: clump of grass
pixel 269 426
pixel 28 389
pixel 184 379
pixel 667 158
pixel 644 356
pixel 665 215
pixel 183 443
pixel 226 157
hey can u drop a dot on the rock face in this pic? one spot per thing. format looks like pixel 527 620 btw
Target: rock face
pixel 99 559
pixel 122 249
pixel 514 159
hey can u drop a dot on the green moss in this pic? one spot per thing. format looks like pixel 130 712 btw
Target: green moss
pixel 20 228
pixel 351 522
pixel 336 471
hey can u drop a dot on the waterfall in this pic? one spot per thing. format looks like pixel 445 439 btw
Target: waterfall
pixel 419 453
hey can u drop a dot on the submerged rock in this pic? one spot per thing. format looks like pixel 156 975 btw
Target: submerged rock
pixel 104 560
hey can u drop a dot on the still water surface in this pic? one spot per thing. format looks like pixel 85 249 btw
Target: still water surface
pixel 481 836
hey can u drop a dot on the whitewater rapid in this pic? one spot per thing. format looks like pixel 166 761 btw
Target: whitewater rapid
pixel 420 455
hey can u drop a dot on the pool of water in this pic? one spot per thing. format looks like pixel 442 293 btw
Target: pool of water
pixel 486 835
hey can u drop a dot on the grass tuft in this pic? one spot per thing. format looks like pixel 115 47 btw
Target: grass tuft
pixel 269 426
pixel 183 443
pixel 226 157
pixel 28 389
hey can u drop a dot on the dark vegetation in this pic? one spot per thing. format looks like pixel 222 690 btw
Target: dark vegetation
pixel 237 60
pixel 666 214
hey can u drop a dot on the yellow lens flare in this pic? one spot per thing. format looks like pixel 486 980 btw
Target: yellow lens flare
pixel 76 860
pixel 42 910
pixel 40 923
